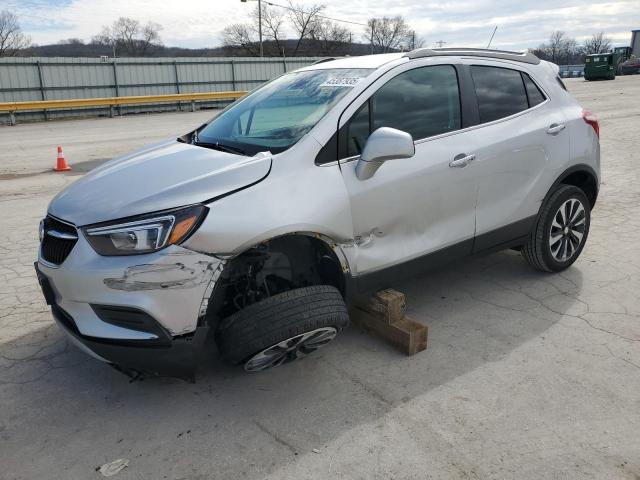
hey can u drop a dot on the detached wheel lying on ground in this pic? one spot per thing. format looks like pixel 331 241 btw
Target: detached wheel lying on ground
pixel 561 230
pixel 282 328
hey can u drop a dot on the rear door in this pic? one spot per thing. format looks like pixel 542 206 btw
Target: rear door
pixel 520 137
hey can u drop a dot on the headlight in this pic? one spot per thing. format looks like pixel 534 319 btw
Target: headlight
pixel 146 233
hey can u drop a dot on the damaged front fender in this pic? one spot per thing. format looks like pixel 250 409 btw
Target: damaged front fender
pixel 162 276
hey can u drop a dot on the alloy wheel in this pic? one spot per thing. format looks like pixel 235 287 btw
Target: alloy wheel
pixel 567 230
pixel 291 349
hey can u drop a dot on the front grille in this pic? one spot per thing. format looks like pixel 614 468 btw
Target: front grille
pixel 58 240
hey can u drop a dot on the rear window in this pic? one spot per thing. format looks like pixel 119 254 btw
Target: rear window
pixel 500 92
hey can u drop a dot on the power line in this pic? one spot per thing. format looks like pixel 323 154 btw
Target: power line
pixel 317 14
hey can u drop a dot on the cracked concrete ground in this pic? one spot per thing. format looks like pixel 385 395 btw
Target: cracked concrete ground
pixel 527 375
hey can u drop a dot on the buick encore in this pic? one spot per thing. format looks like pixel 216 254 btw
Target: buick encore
pixel 257 229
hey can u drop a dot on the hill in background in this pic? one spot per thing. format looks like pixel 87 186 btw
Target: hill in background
pixel 306 49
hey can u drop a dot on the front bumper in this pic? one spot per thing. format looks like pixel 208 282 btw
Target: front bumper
pixel 163 295
pixel 176 358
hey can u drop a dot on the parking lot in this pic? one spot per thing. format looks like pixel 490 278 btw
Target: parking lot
pixel 526 375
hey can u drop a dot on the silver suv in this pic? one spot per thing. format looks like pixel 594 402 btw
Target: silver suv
pixel 259 227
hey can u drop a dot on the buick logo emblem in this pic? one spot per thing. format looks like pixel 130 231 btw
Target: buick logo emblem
pixel 41 230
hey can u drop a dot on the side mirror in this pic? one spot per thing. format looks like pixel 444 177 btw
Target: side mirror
pixel 382 145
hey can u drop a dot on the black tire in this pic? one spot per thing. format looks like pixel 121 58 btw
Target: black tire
pixel 538 251
pixel 282 317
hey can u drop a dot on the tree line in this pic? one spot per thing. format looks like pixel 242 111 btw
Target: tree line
pixel 564 50
pixel 315 35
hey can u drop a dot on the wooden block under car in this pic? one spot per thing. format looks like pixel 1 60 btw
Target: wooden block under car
pixel 384 314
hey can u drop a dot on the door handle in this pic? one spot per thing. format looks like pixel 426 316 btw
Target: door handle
pixel 461 160
pixel 555 128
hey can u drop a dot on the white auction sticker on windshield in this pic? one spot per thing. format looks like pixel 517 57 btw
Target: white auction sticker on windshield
pixel 341 82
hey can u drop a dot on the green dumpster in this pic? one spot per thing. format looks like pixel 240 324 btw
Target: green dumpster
pixel 601 66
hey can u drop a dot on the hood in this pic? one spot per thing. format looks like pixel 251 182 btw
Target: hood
pixel 165 175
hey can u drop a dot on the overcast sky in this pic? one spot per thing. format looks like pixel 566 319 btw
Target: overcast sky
pixel 198 23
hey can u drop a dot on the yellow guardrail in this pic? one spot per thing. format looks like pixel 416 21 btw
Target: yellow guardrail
pixel 12 107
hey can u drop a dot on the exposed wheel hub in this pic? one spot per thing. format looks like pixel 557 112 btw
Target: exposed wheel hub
pixel 291 349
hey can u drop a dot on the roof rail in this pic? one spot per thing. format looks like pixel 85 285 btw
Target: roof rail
pixel 322 60
pixel 525 57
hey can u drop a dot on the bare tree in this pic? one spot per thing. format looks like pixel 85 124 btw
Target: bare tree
pixel 386 33
pixel 240 35
pixel 414 40
pixel 245 35
pixel 329 36
pixel 12 40
pixel 556 45
pixel 103 38
pixel 598 43
pixel 272 25
pixel 130 37
pixel 560 49
pixel 304 21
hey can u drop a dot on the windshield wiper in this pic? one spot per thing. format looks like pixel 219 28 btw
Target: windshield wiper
pixel 221 147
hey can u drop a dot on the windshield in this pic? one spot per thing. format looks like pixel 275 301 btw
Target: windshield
pixel 277 115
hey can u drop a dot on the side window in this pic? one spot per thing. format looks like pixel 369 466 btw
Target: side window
pixel 500 92
pixel 424 102
pixel 534 94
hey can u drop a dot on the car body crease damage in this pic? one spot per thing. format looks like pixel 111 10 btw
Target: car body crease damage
pixel 181 274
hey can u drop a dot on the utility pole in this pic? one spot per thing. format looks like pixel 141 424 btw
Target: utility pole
pixel 290 8
pixel 372 23
pixel 260 26
pixel 259 23
pixel 440 43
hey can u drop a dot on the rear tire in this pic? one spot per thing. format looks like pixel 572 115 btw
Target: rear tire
pixel 282 328
pixel 560 232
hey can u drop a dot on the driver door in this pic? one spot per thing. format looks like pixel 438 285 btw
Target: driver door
pixel 417 206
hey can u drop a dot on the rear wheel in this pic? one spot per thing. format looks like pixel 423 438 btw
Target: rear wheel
pixel 282 328
pixel 560 232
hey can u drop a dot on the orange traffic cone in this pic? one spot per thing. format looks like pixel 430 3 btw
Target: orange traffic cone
pixel 61 163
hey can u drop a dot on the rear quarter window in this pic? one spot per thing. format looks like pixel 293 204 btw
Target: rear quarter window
pixel 536 97
pixel 500 92
pixel 559 80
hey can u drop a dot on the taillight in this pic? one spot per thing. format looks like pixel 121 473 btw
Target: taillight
pixel 591 119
